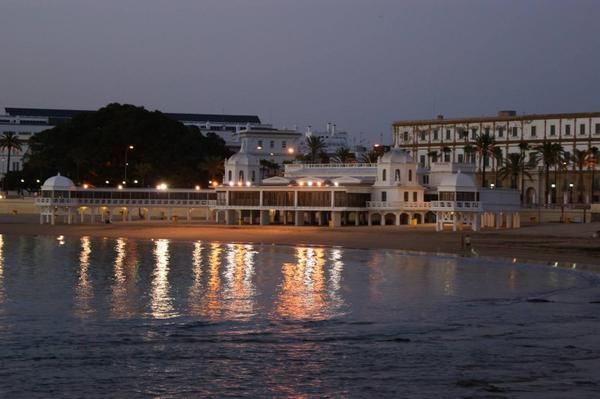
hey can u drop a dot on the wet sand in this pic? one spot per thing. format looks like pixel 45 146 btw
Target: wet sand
pixel 545 243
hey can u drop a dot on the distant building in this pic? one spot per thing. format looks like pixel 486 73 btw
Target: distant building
pixel 334 139
pixel 26 122
pixel 452 140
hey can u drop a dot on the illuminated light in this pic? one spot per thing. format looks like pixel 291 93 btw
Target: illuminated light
pixel 120 187
pixel 271 154
pixel 210 182
pixel 574 265
pixel 60 238
pixel 248 184
pixel 106 181
pixel 375 145
pixel 131 147
pixel 135 182
pixel 319 183
pixel 240 183
pixel 571 185
pixel 22 180
pixel 301 183
pixel 336 184
pixel 259 147
pixel 123 182
pixel 514 260
pixel 231 183
pixel 37 180
pixel 161 186
pixel 215 184
pixel 1 196
pixel 310 183
pixel 492 185
pixel 553 185
pixel 197 187
pixel 290 150
pixel 85 186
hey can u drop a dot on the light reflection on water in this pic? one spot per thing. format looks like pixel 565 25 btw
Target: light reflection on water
pixel 181 319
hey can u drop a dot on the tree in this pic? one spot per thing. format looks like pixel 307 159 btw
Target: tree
pixel 269 168
pixel 591 164
pixel 523 146
pixel 484 146
pixel 369 157
pixel 9 142
pixel 550 155
pixel 315 146
pixel 514 165
pixel 143 169
pixel 94 146
pixel 579 159
pixel 497 158
pixel 343 155
pixel 213 166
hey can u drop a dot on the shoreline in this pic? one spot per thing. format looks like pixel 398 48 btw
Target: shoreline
pixel 551 243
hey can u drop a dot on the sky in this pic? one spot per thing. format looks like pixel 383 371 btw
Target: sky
pixel 361 64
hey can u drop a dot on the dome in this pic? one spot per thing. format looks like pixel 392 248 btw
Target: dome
pixel 242 158
pixel 58 182
pixel 457 182
pixel 397 155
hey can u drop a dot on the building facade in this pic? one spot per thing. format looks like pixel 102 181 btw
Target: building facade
pixel 453 140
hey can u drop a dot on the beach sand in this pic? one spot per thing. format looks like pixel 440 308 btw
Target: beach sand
pixel 543 243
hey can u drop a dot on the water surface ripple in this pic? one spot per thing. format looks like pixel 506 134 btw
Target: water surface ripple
pixel 129 318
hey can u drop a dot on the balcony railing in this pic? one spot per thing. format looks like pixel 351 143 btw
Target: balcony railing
pixel 122 202
pixel 398 205
pixel 296 167
pixel 456 205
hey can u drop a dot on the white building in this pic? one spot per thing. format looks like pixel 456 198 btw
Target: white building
pixel 392 191
pixel 447 140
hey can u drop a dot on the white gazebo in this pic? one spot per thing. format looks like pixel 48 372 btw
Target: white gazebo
pixel 56 198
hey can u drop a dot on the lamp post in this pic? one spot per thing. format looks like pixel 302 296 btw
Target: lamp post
pixel 551 194
pixel 570 193
pixel 129 147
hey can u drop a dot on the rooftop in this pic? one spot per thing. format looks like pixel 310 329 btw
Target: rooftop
pixel 504 118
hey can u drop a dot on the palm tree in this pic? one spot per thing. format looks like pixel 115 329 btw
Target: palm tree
pixel 369 157
pixel 523 146
pixel 579 159
pixel 9 141
pixel 550 154
pixel 592 162
pixel 269 168
pixel 315 146
pixel 484 145
pixel 342 155
pixel 514 165
pixel 497 158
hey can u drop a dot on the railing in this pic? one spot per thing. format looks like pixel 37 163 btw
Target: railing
pixel 398 205
pixel 456 205
pixel 296 167
pixel 122 202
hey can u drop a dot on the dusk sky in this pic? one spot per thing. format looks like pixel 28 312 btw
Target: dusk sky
pixel 360 64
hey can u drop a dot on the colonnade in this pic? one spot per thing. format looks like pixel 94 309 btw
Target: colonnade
pixel 478 220
pixel 292 217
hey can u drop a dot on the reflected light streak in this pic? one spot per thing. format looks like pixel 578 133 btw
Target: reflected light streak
pixel 195 295
pixel 161 302
pixel 119 306
pixel 84 290
pixel 239 290
pixel 301 294
pixel 335 278
pixel 211 306
pixel 2 294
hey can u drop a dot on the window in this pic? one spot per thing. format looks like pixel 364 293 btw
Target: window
pixel 515 131
pixel 260 144
pixel 552 130
pixel 487 131
pixel 422 160
pixel 283 144
pixel 406 196
pixel 253 175
pixel 597 128
pixel 272 144
pixel 16 166
pixel 582 128
pixel 500 132
pixel 567 156
pixel 422 136
pixel 414 196
pixel 448 134
pixel 460 158
pixel 473 133
pixel 425 179
pixel 567 130
pixel 533 131
pixel 446 157
pixel 410 175
pixel 384 196
pixel 383 175
pixel 436 135
pixel 397 175
pixel 241 175
pixel 229 175
pixel 405 136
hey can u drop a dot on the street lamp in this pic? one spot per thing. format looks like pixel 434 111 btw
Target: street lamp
pixel 552 193
pixel 570 193
pixel 129 147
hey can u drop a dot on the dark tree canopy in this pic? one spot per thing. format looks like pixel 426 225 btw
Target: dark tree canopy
pixel 94 147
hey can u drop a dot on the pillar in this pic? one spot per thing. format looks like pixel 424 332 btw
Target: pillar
pixel 475 218
pixel 319 218
pixel 356 219
pixel 52 217
pixel 498 220
pixel 455 221
pixel 264 218
pixel 382 219
pixel 189 215
pixel 509 220
pixel 148 214
pixel 299 218
pixel 397 218
pixel 369 219
pixel 336 219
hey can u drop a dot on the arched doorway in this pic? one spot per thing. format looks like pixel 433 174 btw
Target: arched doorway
pixel 375 219
pixel 417 217
pixel 390 219
pixel 404 218
pixel 430 217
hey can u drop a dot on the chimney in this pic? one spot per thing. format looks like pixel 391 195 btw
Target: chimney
pixel 333 130
pixel 328 127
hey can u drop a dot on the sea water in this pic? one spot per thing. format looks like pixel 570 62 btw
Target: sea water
pixel 87 317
